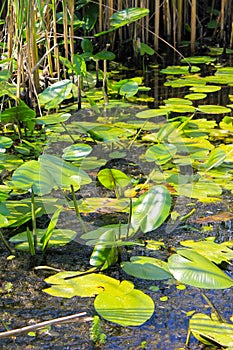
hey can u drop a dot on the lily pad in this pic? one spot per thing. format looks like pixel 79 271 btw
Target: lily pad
pixel 177 70
pixel 198 60
pixel 205 88
pixel 211 331
pixel 211 250
pixel 197 96
pixel 76 151
pixel 124 305
pixel 213 109
pixel 147 268
pixel 190 267
pixel 160 154
pixel 116 301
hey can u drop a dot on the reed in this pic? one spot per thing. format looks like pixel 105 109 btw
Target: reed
pixel 31 27
pixel 193 24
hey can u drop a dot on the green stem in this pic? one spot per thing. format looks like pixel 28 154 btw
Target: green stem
pixel 214 309
pixel 68 133
pixel 34 233
pixel 77 210
pixel 4 241
pixel 130 217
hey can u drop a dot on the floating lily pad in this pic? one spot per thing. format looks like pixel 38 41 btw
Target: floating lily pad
pixel 124 305
pixel 147 268
pixel 211 331
pixel 213 109
pixel 151 113
pixel 198 59
pixel 177 101
pixel 160 154
pixel 190 267
pixel 205 88
pixel 176 70
pixel 76 151
pixel 197 96
pixel 211 250
pixel 116 301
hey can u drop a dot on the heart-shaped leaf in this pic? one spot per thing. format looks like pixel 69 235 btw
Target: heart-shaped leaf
pixel 192 268
pixel 124 305
pixel 209 330
pixel 147 268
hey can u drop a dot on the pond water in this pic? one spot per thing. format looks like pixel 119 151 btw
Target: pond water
pixel 116 124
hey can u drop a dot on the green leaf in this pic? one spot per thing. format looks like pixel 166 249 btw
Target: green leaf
pixel 5 74
pixel 104 55
pixel 201 189
pixel 151 113
pixel 146 49
pixel 160 154
pixel 47 173
pixel 92 237
pixel 54 118
pixel 129 89
pixel 87 45
pixel 146 268
pixel 52 224
pixel 198 60
pixel 5 142
pixel 105 253
pixel 197 96
pixel 124 305
pixel 63 173
pixel 213 109
pixel 211 250
pixel 3 221
pixel 193 269
pixel 76 151
pixel 176 70
pixel 30 175
pixel 209 330
pixel 55 94
pixel 151 209
pixel 125 17
pixel 59 237
pixel 79 65
pixel 88 285
pixel 21 112
pixel 216 158
pixel 111 178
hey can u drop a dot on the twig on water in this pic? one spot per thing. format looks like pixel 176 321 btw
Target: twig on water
pixel 70 318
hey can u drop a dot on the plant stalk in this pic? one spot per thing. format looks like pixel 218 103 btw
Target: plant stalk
pixel 77 210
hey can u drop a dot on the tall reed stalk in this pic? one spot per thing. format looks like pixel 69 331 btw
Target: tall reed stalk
pixel 193 24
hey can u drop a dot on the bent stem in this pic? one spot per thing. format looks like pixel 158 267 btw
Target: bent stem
pixel 4 241
pixel 77 210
